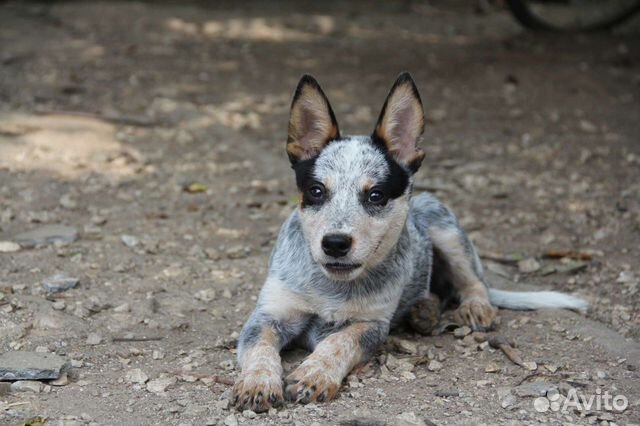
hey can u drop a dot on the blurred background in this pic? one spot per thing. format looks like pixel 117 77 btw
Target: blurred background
pixel 142 155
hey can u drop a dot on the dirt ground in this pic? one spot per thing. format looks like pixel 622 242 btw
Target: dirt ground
pixel 157 131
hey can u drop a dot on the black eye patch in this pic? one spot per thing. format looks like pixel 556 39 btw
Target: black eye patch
pixel 393 186
pixel 314 194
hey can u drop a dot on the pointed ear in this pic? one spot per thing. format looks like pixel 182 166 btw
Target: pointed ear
pixel 312 123
pixel 401 123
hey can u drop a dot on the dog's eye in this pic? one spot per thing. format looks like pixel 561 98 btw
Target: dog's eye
pixel 317 192
pixel 375 197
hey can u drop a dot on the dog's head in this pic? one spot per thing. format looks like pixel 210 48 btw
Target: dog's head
pixel 354 190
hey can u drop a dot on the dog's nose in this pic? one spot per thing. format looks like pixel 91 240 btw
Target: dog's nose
pixel 336 245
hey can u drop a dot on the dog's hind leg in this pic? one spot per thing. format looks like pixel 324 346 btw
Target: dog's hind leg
pixel 457 270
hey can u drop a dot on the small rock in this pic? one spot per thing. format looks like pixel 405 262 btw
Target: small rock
pixel 160 385
pixel 588 127
pixel 403 345
pixel 157 354
pixel 206 295
pixel 94 339
pixel 59 305
pixel 136 375
pixel 63 380
pixel 461 331
pixel 530 365
pixel 20 365
pixel 508 401
pixel 26 386
pixel 68 202
pixel 249 414
pixel 9 247
pixel 5 388
pixel 534 389
pixel 45 235
pixel 528 265
pixel 58 283
pixel 123 308
pixel 408 419
pixel 492 367
pixel 223 404
pixel 130 241
pixel 231 420
pixel 434 365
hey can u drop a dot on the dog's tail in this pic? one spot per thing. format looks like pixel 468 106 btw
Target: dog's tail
pixel 531 300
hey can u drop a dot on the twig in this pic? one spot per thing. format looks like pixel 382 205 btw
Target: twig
pixel 572 254
pixel 499 342
pixel 136 338
pixel 501 258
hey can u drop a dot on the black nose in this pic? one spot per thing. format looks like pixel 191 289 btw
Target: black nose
pixel 336 245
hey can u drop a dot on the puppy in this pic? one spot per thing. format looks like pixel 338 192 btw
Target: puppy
pixel 359 255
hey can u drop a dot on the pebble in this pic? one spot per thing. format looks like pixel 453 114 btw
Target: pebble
pixel 528 265
pixel 492 367
pixel 223 404
pixel 26 386
pixel 161 384
pixel 136 375
pixel 59 305
pixel 156 354
pixel 47 234
pixel 249 414
pixel 21 365
pixel 408 419
pixel 63 380
pixel 130 241
pixel 508 401
pixel 59 282
pixel 231 420
pixel 94 339
pixel 588 127
pixel 461 331
pixel 206 295
pixel 9 247
pixel 434 366
pixel 534 389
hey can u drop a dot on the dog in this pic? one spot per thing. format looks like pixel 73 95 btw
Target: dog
pixel 359 255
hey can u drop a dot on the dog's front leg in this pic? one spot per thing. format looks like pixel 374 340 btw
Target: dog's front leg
pixel 259 386
pixel 319 377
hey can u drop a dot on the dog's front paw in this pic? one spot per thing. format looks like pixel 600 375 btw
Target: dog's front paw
pixel 310 382
pixel 257 390
pixel 476 313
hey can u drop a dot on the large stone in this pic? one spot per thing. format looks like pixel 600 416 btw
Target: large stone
pixel 47 234
pixel 22 365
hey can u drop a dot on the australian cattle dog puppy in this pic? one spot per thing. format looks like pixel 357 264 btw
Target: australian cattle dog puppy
pixel 359 255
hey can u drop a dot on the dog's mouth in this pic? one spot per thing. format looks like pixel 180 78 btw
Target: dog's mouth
pixel 341 268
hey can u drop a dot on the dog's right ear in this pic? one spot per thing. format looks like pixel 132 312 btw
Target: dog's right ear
pixel 312 123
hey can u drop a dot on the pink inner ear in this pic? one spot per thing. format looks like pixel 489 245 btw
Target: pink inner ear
pixel 404 130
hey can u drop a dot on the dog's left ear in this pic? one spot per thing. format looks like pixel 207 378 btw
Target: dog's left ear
pixel 401 123
pixel 312 124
